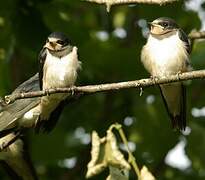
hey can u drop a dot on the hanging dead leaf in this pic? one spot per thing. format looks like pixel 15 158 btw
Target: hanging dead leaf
pixel 97 163
pixel 145 174
pixel 105 153
pixel 114 156
pixel 118 174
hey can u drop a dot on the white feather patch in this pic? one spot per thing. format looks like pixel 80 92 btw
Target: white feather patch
pixel 30 117
pixel 60 72
pixel 165 56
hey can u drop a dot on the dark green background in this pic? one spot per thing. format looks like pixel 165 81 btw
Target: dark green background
pixel 24 26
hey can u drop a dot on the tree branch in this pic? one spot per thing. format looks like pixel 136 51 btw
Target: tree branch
pixel 91 89
pixel 197 35
pixel 109 3
pixel 193 35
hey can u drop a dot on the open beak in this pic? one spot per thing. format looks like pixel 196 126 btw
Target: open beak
pixel 50 45
pixel 156 28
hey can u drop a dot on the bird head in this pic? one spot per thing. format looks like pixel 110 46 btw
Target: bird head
pixel 58 43
pixel 163 25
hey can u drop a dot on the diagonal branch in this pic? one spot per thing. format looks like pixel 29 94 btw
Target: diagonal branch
pixel 109 3
pixel 91 89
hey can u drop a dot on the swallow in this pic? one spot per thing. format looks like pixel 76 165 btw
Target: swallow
pixel 167 53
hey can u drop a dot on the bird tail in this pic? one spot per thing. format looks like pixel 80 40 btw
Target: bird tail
pixel 46 126
pixel 178 122
pixel 174 98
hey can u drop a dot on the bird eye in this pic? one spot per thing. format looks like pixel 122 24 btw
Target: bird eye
pixel 165 24
pixel 60 42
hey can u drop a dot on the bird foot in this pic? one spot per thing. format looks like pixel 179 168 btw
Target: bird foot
pixel 178 74
pixel 72 90
pixel 47 92
pixel 141 91
pixel 154 78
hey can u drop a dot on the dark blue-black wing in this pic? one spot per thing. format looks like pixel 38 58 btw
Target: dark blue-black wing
pixel 178 120
pixel 185 39
pixel 41 61
pixel 47 125
pixel 10 114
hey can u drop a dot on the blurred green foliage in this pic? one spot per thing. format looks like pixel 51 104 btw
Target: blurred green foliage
pixel 106 57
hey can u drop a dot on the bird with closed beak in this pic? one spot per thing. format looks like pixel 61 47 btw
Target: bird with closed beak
pixel 58 66
pixel 167 53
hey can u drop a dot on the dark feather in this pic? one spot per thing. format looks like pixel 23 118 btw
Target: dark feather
pixel 171 24
pixel 11 113
pixel 48 125
pixel 27 158
pixel 178 121
pixel 185 39
pixel 41 60
pixel 7 131
pixel 32 84
pixel 61 36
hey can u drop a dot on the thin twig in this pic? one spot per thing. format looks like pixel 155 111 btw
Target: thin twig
pixel 91 89
pixel 132 160
pixel 115 2
pixel 193 35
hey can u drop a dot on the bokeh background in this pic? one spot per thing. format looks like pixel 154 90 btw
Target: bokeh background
pixel 109 47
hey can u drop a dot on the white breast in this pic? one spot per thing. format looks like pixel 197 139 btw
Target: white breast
pixel 60 72
pixel 164 56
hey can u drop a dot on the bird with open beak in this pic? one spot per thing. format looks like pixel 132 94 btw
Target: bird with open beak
pixel 167 53
pixel 58 66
